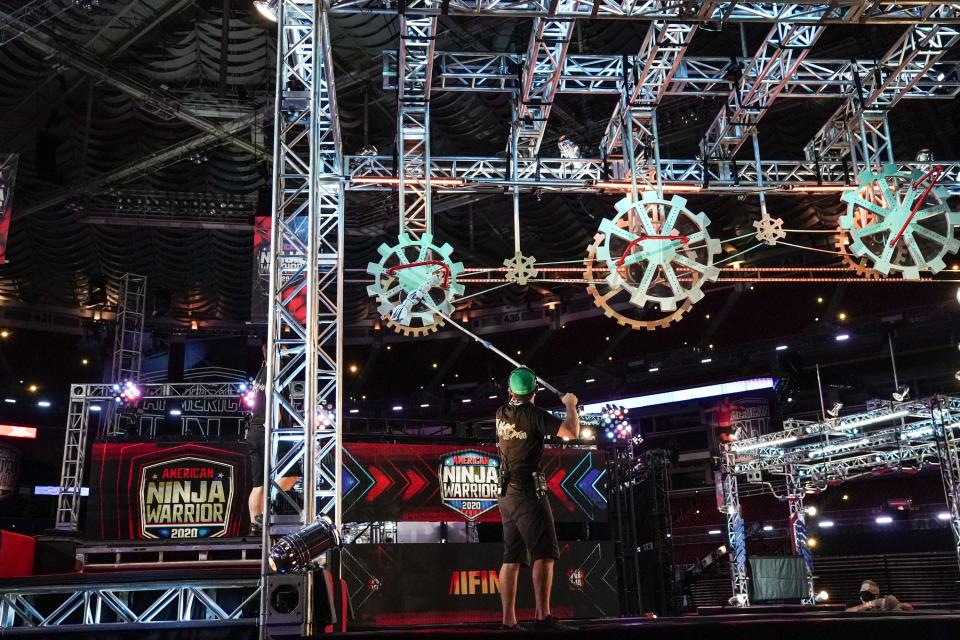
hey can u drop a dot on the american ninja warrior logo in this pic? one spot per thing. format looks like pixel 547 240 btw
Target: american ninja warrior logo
pixel 186 498
pixel 469 482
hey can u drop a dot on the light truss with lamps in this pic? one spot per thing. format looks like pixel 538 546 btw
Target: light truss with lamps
pixel 889 437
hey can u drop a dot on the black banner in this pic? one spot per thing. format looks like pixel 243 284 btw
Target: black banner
pixel 449 583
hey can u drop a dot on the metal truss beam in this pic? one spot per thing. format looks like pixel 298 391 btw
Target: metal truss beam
pixel 546 52
pixel 859 126
pixel 305 343
pixel 129 605
pixel 736 538
pixel 477 174
pixel 694 76
pixel 762 81
pixel 161 105
pixel 860 11
pixel 417 43
pixel 644 86
pixel 163 157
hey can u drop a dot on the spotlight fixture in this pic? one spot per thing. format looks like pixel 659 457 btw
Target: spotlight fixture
pixel 924 155
pixel 902 393
pixel 368 151
pixel 248 395
pixel 616 425
pixel 586 433
pixel 834 411
pixel 569 150
pixel 127 393
pixel 823 596
pixel 884 520
pixel 298 552
pixel 810 511
pixel 267 8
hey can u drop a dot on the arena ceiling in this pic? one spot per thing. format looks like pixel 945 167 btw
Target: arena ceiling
pixel 87 104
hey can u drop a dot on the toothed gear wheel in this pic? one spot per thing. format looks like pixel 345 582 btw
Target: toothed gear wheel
pixel 890 196
pixel 769 230
pixel 395 285
pixel 616 302
pixel 660 236
pixel 861 265
pixel 520 268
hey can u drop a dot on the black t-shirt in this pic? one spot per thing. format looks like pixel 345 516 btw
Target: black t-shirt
pixel 259 414
pixel 520 432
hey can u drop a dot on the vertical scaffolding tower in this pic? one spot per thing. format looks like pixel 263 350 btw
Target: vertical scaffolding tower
pixel 304 341
pixel 128 339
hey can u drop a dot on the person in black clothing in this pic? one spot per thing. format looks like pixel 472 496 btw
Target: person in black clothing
pixel 872 600
pixel 528 530
pixel 256 440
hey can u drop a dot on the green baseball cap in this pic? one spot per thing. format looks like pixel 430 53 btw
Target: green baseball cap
pixel 522 381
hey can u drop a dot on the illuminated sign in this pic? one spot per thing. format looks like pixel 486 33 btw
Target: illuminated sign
pixel 474 583
pixel 683 395
pixel 469 482
pixel 186 498
pixel 16 431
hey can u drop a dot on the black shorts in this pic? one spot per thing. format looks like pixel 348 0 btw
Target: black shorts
pixel 528 531
pixel 255 441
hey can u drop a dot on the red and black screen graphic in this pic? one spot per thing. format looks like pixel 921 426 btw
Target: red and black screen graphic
pixel 150 490
pixel 401 483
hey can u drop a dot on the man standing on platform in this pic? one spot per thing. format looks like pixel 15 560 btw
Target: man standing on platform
pixel 256 441
pixel 528 530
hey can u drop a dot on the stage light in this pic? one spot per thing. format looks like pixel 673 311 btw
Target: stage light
pixel 782 347
pixel 812 543
pixel 422 406
pixel 354 410
pixel 32 388
pixel 569 150
pixel 846 497
pixel 616 425
pixel 943 515
pixel 706 361
pixel 84 362
pixel 4 334
pixel 751 446
pixel 924 155
pixel 434 365
pixel 95 408
pixel 823 596
pixel 586 433
pixel 354 368
pixel 248 395
pixel 267 9
pixel 834 411
pixel 902 393
pixel 127 393
pixel 841 316
pixel 298 552
pixel 493 397
pixel 714 532
pixel 842 337
pixel 768 527
pixel 466 400
pixel 175 412
pixel 10 401
pixel 589 380
pixel 653 369
pixel 825 524
pixel 810 511
pixel 397 407
pixel 884 520
pixel 43 404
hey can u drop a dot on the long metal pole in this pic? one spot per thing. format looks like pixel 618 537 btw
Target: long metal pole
pixel 823 409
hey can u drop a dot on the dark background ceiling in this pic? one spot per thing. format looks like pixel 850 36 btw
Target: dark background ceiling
pixel 72 129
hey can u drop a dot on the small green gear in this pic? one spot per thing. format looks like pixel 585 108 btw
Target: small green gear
pixel 885 200
pixel 394 283
pixel 645 244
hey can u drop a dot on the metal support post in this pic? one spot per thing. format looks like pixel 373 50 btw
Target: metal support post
pixel 74 457
pixel 736 539
pixel 417 38
pixel 798 530
pixel 948 445
pixel 304 349
pixel 128 338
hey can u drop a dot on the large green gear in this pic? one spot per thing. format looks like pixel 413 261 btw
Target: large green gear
pixel 391 285
pixel 643 257
pixel 881 207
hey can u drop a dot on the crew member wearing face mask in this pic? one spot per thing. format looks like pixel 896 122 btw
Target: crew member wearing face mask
pixel 871 600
